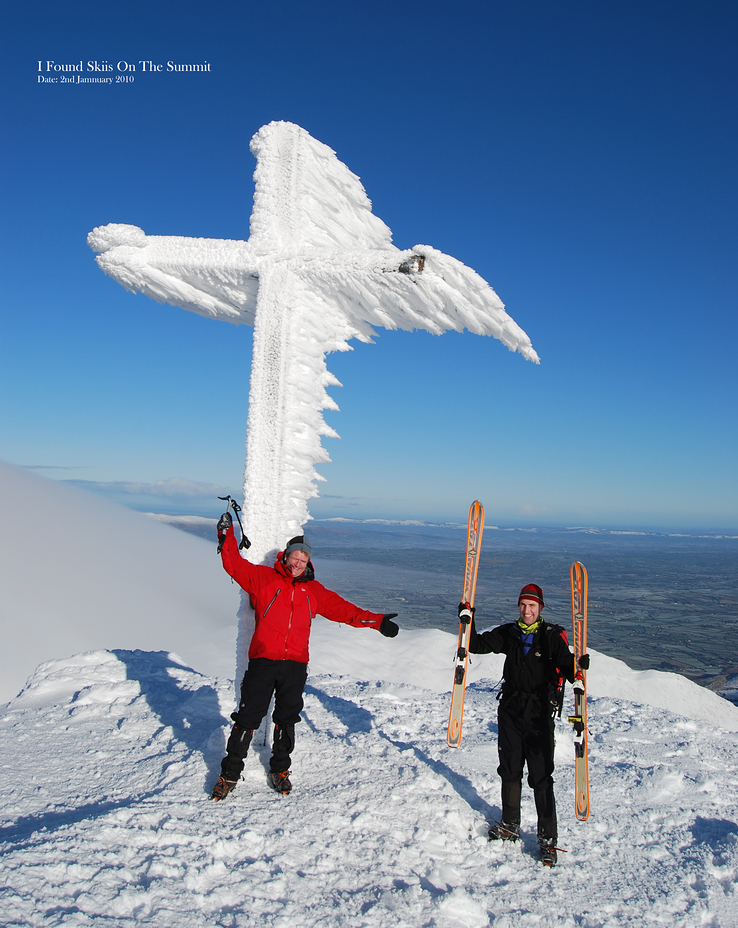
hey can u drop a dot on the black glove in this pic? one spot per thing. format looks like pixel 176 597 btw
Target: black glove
pixel 225 522
pixel 584 662
pixel 388 628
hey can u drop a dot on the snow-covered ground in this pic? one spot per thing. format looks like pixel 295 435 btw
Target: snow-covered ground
pixel 107 758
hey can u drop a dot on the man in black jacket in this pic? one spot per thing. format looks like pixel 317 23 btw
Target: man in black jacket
pixel 533 651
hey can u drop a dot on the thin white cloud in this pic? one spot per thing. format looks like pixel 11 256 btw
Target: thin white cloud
pixel 171 487
pixel 52 466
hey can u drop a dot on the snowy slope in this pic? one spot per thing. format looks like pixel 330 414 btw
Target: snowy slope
pixel 78 572
pixel 107 759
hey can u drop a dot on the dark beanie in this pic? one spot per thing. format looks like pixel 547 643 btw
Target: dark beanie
pixel 532 591
pixel 299 543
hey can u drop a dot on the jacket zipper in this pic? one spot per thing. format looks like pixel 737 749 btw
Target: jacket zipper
pixel 271 603
pixel 289 624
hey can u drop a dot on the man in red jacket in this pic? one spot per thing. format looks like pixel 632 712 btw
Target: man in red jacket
pixel 286 598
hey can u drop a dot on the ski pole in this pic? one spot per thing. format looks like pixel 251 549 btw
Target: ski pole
pixel 245 543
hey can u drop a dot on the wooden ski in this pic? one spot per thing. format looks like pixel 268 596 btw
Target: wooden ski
pixel 579 718
pixel 473 545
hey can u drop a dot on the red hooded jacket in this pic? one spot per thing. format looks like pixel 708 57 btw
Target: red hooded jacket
pixel 286 606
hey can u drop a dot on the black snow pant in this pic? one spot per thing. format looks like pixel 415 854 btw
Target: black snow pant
pixel 284 679
pixel 526 736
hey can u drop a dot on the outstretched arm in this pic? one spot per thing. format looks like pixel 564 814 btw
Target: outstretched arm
pixel 337 609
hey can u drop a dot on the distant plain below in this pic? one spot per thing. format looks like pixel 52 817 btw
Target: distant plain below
pixel 656 600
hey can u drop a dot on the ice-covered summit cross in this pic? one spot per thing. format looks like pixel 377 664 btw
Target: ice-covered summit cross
pixel 318 270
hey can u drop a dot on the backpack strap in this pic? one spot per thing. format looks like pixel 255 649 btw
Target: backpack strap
pixel 557 684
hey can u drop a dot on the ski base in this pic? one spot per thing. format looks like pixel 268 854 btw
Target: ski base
pixel 458 690
pixel 579 717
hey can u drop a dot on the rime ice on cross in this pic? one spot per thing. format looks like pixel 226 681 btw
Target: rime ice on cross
pixel 318 269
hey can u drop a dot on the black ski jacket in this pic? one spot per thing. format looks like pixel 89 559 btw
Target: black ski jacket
pixel 527 679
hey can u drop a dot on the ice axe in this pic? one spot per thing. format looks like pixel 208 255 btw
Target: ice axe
pixel 244 543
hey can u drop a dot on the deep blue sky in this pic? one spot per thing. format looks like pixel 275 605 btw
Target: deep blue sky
pixel 581 157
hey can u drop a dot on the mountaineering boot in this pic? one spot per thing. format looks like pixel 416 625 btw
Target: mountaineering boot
pixel 509 828
pixel 280 782
pixel 548 852
pixel 222 788
pixel 504 831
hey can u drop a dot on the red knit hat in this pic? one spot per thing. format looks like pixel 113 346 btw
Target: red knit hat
pixel 532 591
